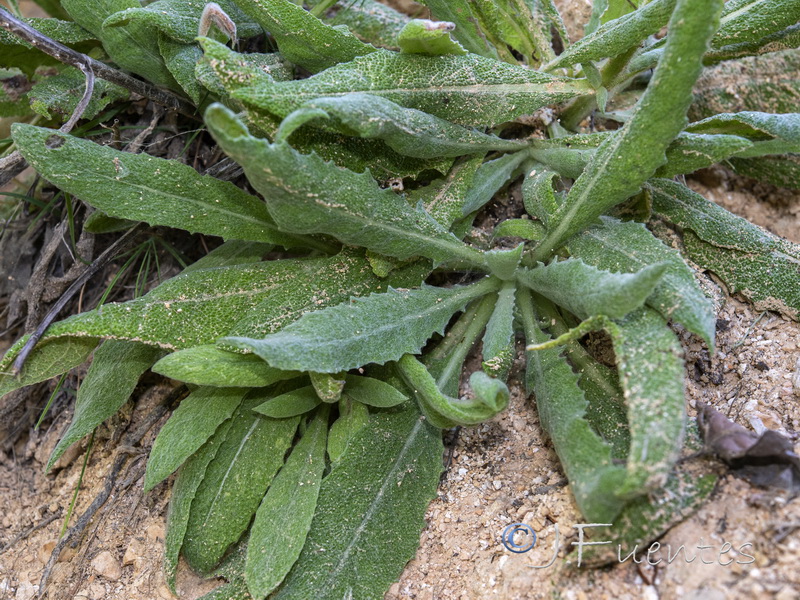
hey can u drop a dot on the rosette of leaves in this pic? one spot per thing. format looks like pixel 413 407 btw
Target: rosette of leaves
pixel 310 443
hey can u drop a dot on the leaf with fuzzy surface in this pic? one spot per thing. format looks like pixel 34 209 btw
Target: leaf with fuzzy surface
pixel 190 426
pixel 622 163
pixel 406 130
pixel 467 90
pixel 467 31
pixel 498 340
pixel 370 510
pixel 308 195
pixel 369 20
pixel 751 20
pixel 491 176
pixel 301 37
pixel 444 198
pixel 629 247
pixel 750 260
pixel 61 93
pixel 284 516
pixel 423 36
pixel 108 384
pixel 375 329
pixel 145 188
pixel 587 291
pixel 770 134
pixel 247 460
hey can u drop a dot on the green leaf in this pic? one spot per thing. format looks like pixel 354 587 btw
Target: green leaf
pixel 625 160
pixel 60 94
pixel 49 358
pixel 422 36
pixel 770 134
pixel 190 426
pixel 328 387
pixel 180 19
pixel 467 30
pixel 301 37
pixel 190 477
pixel 751 20
pixel 490 396
pixel 307 195
pixel 692 151
pixel 520 228
pixel 786 39
pixel 18 54
pixel 584 455
pixel 406 130
pixel 234 252
pixel 291 404
pixel 370 511
pixel 504 263
pixel 108 384
pixel 373 392
pixel 353 416
pixel 444 198
pixel 498 341
pixel 616 36
pixel 375 329
pixel 491 176
pixel 538 196
pixel 370 20
pixel 650 364
pixel 145 188
pixel 750 260
pixel 133 48
pixel 629 247
pixel 181 60
pixel 587 291
pixel 283 519
pixel 783 171
pixel 467 90
pixel 235 483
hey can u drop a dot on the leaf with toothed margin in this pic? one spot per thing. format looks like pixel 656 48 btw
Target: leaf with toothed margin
pixel 375 329
pixel 305 194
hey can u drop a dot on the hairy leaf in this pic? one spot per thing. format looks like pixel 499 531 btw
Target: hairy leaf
pixel 353 416
pixel 369 20
pixel 61 93
pixel 498 341
pixel 467 90
pixel 586 291
pixel 406 130
pixel 307 195
pixel 385 481
pixel 422 36
pixel 284 517
pixel 21 55
pixel 629 247
pixel 145 188
pixel 190 426
pixel 491 176
pixel 467 31
pixel 770 134
pixel 444 198
pixel 373 392
pixel 538 196
pixel 302 38
pixel 624 161
pixel 110 381
pixel 242 469
pixel 751 20
pixel 291 404
pixel 375 329
pixel 181 60
pixel 750 260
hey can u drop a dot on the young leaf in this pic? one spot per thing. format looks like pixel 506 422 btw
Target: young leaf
pixel 235 483
pixel 283 519
pixel 190 477
pixel 466 31
pixel 422 36
pixel 195 421
pixel 650 363
pixel 520 228
pixel 468 90
pixel 629 247
pixel 622 163
pixel 301 37
pixel 538 196
pixel 370 510
pixel 145 188
pixel 108 384
pixel 444 198
pixel 491 176
pixel 328 387
pixel 490 396
pixel 374 329
pixel 373 392
pixel 498 341
pixel 762 266
pixel 370 20
pixel 692 151
pixel 353 416
pixel 61 93
pixel 181 60
pixel 584 455
pixel 406 130
pixel 307 195
pixel 616 36
pixel 291 404
pixel 587 291
pixel 504 263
